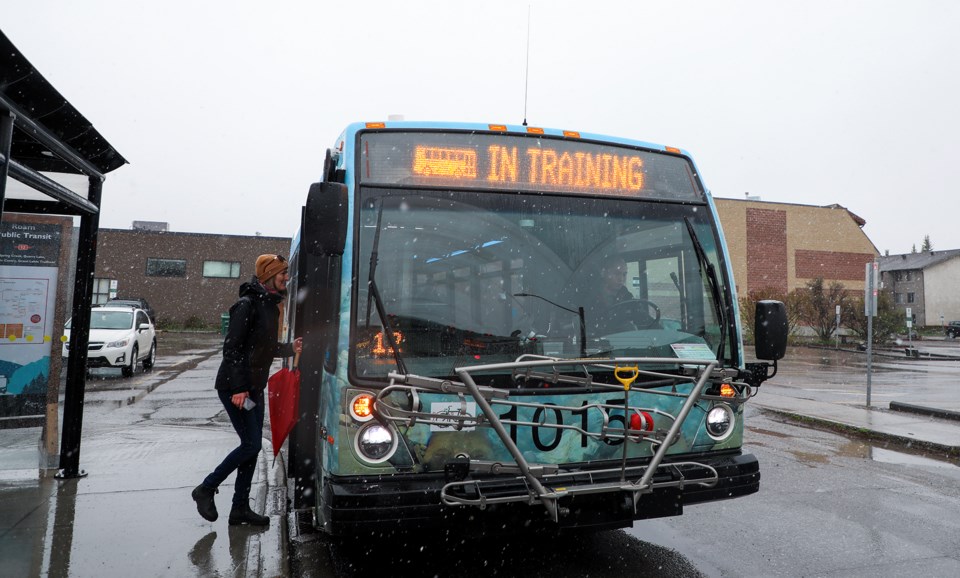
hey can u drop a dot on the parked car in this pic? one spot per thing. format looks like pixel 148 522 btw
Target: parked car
pixel 952 329
pixel 119 337
pixel 138 303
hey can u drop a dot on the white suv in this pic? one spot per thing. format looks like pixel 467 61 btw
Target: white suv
pixel 119 337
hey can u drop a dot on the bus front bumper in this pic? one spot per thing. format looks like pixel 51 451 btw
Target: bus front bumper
pixel 373 505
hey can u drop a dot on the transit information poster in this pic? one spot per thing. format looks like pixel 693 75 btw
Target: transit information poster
pixel 29 253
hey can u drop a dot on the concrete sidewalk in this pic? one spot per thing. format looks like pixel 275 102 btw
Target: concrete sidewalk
pixel 923 425
pixel 132 515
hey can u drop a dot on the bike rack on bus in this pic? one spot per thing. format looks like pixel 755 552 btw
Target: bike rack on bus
pixel 546 483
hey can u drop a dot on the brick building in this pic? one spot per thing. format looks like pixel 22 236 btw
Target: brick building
pixel 781 246
pixel 186 277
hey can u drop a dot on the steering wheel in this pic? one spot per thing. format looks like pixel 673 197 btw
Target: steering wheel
pixel 641 313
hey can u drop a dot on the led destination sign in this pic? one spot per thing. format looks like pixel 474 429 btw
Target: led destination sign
pixel 512 162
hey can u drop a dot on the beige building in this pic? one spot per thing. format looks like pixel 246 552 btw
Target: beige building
pixel 782 246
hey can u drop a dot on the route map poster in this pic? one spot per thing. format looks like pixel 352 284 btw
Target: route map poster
pixel 29 254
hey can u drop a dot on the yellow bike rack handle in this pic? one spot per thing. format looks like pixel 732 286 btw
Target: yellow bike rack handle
pixel 626 379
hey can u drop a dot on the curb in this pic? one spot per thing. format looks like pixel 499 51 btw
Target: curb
pixel 278 499
pixel 922 410
pixel 860 432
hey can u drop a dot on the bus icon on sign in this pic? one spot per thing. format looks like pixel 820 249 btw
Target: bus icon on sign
pixel 445 162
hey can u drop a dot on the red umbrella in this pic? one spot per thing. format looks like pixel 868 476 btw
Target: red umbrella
pixel 284 399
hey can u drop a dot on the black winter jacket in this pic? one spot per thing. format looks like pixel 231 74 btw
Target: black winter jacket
pixel 251 342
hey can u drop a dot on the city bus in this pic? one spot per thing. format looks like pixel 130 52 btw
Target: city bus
pixel 508 328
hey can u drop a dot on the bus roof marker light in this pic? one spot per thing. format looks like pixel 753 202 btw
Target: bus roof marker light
pixel 534 130
pixel 376 125
pixel 674 150
pixel 498 127
pixel 571 134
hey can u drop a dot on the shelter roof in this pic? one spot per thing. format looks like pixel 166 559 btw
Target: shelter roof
pixel 27 90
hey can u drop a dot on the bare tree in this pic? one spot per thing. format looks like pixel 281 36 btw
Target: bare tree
pixel 748 309
pixel 819 307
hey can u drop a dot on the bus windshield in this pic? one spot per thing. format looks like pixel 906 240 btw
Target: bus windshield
pixel 469 278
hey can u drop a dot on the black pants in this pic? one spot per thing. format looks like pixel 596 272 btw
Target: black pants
pixel 249 426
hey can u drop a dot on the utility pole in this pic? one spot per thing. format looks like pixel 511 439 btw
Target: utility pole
pixel 870 310
pixel 837 330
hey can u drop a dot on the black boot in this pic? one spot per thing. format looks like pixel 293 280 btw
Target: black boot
pixel 242 514
pixel 203 496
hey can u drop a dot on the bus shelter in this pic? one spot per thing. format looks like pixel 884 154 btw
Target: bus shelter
pixel 43 137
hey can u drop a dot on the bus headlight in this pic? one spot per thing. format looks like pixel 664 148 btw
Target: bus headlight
pixel 375 443
pixel 720 422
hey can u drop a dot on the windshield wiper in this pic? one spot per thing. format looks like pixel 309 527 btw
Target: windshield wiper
pixel 374 293
pixel 707 268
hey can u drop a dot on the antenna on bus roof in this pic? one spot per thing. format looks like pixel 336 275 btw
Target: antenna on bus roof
pixel 526 75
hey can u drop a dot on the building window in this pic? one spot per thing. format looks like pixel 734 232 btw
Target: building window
pixel 101 290
pixel 909 297
pixel 908 276
pixel 225 269
pixel 898 298
pixel 898 276
pixel 166 268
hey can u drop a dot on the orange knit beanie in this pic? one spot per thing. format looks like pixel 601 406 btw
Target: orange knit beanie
pixel 268 266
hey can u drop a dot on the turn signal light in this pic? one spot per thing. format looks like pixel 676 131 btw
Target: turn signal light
pixel 727 390
pixel 362 407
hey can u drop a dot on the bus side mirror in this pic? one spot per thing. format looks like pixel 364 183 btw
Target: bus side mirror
pixel 770 330
pixel 325 219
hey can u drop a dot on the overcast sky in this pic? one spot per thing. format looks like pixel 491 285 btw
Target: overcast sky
pixel 224 108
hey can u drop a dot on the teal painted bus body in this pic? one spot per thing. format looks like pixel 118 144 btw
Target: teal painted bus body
pixel 484 247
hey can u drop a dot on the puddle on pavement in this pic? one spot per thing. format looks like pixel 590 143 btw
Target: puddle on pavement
pixel 768 432
pixel 864 450
pixel 810 458
pixel 858 449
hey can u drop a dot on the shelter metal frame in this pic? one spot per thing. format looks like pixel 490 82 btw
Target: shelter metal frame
pixel 41 131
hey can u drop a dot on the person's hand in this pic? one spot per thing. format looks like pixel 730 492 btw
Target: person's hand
pixel 298 345
pixel 237 399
